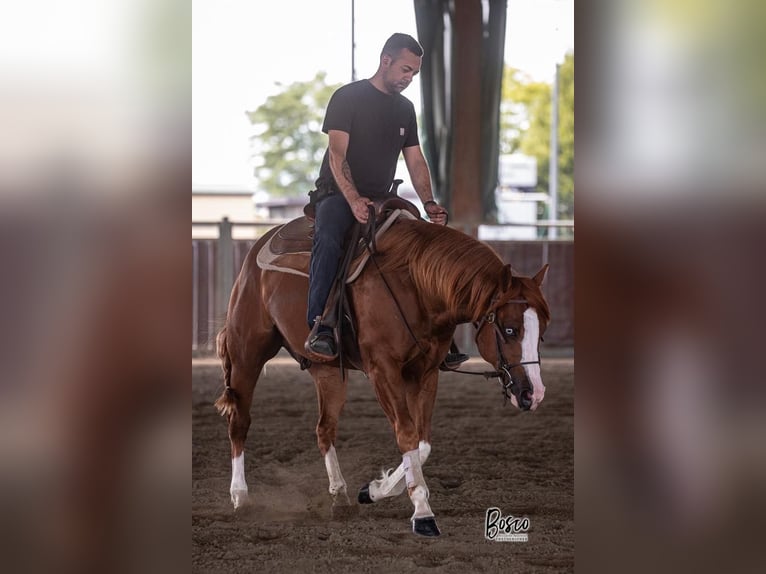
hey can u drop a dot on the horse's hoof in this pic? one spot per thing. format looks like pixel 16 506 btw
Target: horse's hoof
pixel 425 526
pixel 340 499
pixel 364 495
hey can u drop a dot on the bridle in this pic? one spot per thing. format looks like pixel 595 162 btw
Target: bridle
pixel 509 386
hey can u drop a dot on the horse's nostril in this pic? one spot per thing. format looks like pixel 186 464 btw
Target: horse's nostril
pixel 525 401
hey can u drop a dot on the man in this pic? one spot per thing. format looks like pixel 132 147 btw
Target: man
pixel 369 123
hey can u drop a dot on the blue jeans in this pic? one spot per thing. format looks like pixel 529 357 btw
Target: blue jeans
pixel 333 219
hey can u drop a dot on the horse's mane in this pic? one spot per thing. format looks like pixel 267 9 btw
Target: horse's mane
pixel 445 264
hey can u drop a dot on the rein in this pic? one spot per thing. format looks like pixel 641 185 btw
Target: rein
pixel 371 248
pixel 504 372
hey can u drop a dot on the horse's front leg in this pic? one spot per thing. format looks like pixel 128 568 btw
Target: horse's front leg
pixel 331 396
pixel 410 415
pixel 423 520
pixel 420 401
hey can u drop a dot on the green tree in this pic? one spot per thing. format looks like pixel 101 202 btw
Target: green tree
pixel 526 127
pixel 288 143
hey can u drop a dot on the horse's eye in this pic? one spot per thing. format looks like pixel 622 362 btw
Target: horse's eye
pixel 510 332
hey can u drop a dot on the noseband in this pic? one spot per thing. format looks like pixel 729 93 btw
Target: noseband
pixel 504 366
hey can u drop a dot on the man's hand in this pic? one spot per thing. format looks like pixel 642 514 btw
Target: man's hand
pixel 436 213
pixel 359 208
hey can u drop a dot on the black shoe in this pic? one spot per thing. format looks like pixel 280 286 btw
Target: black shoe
pixel 454 360
pixel 321 347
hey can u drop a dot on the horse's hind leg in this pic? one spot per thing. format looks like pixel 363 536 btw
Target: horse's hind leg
pixel 240 376
pixel 331 396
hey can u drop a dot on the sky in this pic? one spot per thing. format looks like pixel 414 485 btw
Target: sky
pixel 242 48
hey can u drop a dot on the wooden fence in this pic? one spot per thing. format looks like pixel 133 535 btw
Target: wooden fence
pixel 216 263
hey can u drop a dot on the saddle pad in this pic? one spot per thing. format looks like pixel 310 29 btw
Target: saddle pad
pixel 297 262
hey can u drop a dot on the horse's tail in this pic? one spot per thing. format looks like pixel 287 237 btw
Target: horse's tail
pixel 227 402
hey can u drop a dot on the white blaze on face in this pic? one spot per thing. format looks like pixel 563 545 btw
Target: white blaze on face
pixel 530 352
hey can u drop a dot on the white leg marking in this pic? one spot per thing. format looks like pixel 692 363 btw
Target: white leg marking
pixel 530 352
pixel 419 498
pixel 413 473
pixel 337 484
pixel 238 488
pixel 392 482
pixel 425 450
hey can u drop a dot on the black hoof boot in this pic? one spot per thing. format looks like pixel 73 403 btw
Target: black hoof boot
pixel 364 495
pixel 425 526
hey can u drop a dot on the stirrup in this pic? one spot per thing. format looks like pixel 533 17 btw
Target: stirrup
pixel 452 361
pixel 314 337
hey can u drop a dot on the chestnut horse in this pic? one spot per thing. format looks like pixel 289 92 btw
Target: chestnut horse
pixel 427 280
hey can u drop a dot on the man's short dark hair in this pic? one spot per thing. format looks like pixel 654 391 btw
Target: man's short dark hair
pixel 398 41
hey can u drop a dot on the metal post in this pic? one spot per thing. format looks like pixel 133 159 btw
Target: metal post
pixel 195 295
pixel 225 275
pixel 353 43
pixel 553 167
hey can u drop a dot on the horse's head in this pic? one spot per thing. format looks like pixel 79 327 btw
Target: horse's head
pixel 509 334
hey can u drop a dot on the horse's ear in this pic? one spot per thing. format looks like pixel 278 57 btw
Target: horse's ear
pixel 506 277
pixel 540 275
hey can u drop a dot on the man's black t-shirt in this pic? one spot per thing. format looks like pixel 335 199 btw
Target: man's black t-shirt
pixel 379 126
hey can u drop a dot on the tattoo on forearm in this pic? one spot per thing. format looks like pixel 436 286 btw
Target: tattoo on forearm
pixel 347 173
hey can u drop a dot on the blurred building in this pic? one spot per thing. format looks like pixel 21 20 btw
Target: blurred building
pixel 213 203
pixel 279 208
pixel 517 203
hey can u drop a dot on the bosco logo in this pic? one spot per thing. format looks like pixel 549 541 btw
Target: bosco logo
pixel 499 528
